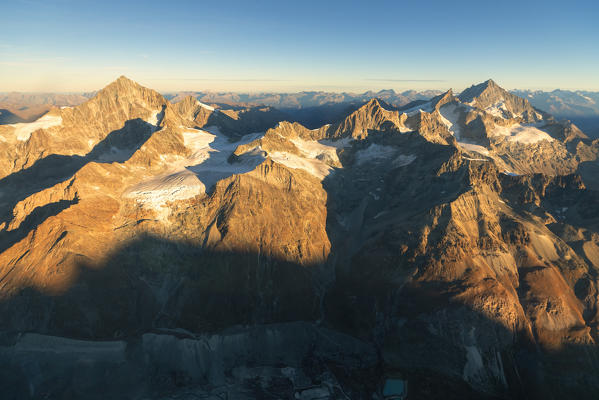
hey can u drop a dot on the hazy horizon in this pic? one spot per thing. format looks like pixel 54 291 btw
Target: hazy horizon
pixel 69 46
pixel 299 90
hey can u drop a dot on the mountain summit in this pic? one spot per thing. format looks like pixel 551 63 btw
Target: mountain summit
pixel 496 100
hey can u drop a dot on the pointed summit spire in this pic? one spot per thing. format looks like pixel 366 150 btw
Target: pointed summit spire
pixel 123 82
pixel 442 99
pixel 487 88
pixel 125 88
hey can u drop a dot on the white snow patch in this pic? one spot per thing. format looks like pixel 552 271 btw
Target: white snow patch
pixel 474 159
pixel 588 99
pixel 474 148
pixel 526 134
pixel 499 109
pixel 320 149
pixel 403 160
pixel 379 214
pixel 186 177
pixel 198 142
pixel 374 152
pixel 424 107
pixel 156 192
pixel 449 116
pixel 315 167
pixel 474 363
pixel 316 155
pixel 24 130
pixel 153 119
pixel 206 106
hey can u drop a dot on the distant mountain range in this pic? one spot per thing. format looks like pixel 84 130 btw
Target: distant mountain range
pixel 582 107
pixel 305 99
pixel 315 108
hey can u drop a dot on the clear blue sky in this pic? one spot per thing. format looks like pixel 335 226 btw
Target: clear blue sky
pixel 80 45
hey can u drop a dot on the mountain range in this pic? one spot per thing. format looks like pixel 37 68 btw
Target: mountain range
pixel 314 109
pixel 580 106
pixel 164 247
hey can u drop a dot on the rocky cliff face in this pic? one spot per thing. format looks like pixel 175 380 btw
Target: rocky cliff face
pixel 459 236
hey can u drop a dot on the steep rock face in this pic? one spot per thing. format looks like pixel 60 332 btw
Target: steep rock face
pixel 454 239
pixel 479 249
pixel 370 117
pixel 489 96
pixel 193 111
pixel 77 130
pixel 273 211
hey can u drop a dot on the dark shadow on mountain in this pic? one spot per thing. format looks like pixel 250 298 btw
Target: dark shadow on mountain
pixel 207 291
pixel 179 291
pixel 8 117
pixel 22 114
pixel 234 107
pixel 589 170
pixel 412 104
pixel 572 199
pixel 372 210
pixel 36 217
pixel 117 146
pixel 587 124
pixel 317 116
pixel 372 192
pixel 246 121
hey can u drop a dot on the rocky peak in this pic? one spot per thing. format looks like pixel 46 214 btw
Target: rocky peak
pixel 123 97
pixel 494 99
pixel 439 101
pixel 188 102
pixel 375 115
pixel 127 89
pixel 190 109
pixel 485 89
pixel 375 105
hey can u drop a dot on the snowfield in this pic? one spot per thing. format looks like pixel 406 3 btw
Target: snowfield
pixel 187 177
pixel 313 166
pixel 426 107
pixel 316 158
pixel 23 131
pixel 474 148
pixel 499 110
pixel 155 118
pixel 376 152
pixel 206 106
pixel 449 116
pixel 525 134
